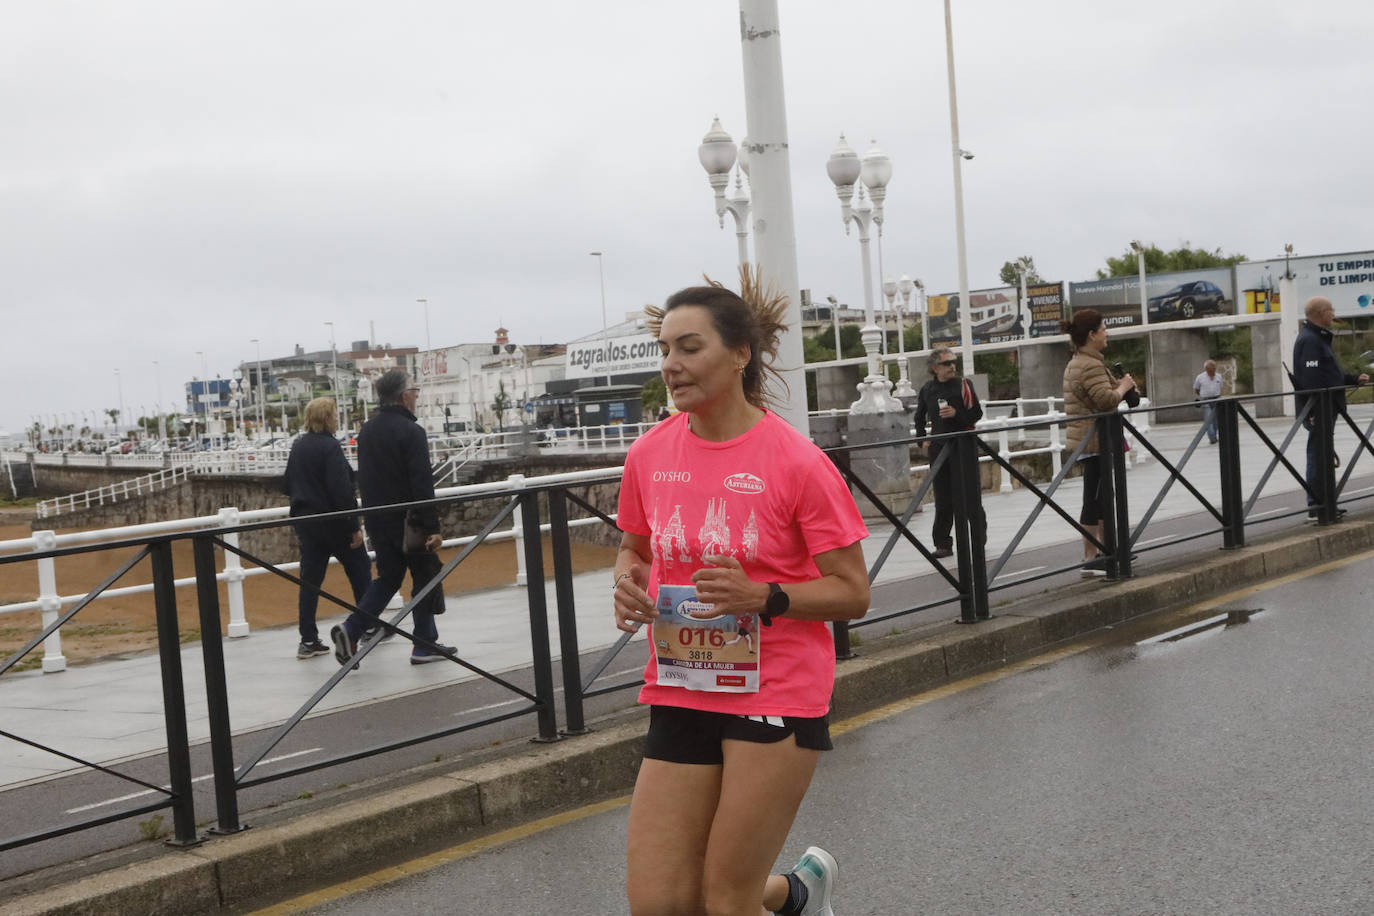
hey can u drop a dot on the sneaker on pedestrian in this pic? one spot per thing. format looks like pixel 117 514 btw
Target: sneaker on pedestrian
pixel 1097 565
pixel 345 646
pixel 311 649
pixel 423 656
pixel 942 552
pixel 372 631
pixel 817 870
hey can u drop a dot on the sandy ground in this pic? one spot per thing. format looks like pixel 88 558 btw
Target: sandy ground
pixel 126 624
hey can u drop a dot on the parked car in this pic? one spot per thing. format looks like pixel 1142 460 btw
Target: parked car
pixel 1187 300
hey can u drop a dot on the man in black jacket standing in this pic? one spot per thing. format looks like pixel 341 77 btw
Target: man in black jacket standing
pixel 951 406
pixel 393 467
pixel 1315 367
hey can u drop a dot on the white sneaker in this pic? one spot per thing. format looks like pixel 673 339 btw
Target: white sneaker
pixel 817 870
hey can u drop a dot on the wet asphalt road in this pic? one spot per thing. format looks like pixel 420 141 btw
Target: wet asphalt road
pixel 1229 772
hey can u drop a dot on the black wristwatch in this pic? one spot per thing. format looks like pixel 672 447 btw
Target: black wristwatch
pixel 776 605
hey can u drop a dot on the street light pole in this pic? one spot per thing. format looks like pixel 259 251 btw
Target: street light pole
pixel 605 334
pixel 261 392
pixel 425 303
pixel 905 286
pixel 844 169
pixel 1139 250
pixel 119 383
pixel 161 417
pixel 334 374
pixel 718 155
pixel 959 155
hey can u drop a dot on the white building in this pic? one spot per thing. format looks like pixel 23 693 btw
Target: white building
pixel 460 384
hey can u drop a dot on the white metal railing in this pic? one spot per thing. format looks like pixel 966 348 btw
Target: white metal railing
pixel 50 602
pixel 1010 418
pixel 113 492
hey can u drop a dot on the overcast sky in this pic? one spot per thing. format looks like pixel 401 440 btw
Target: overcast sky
pixel 182 177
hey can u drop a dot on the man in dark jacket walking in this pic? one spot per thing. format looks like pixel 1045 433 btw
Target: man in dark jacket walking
pixel 951 405
pixel 393 467
pixel 1315 367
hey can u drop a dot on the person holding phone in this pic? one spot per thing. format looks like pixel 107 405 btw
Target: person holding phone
pixel 949 403
pixel 1089 388
pixel 732 521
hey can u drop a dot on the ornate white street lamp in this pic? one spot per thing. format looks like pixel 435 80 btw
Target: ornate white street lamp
pixel 892 289
pixel 718 155
pixel 844 169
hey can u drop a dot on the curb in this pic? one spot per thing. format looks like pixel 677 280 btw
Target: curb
pixel 442 810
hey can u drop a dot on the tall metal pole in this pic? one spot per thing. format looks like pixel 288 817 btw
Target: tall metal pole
pixel 1145 317
pixel 965 325
pixel 262 392
pixel 334 375
pixel 770 175
pixel 161 417
pixel 119 383
pixel 605 334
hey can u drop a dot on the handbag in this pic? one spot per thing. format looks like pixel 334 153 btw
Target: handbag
pixel 414 537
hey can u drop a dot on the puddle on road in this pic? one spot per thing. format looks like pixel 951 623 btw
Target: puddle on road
pixel 1226 619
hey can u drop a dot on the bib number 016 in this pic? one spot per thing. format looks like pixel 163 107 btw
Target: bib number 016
pixel 699 636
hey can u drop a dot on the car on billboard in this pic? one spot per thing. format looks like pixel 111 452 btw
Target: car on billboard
pixel 1187 300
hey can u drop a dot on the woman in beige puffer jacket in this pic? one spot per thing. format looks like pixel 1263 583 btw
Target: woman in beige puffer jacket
pixel 1089 388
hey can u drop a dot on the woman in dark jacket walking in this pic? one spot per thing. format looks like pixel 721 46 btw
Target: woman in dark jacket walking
pixel 950 404
pixel 319 480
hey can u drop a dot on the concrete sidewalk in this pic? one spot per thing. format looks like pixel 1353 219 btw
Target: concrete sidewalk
pixel 406 816
pixel 110 711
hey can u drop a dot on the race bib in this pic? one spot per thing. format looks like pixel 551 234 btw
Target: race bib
pixel 719 655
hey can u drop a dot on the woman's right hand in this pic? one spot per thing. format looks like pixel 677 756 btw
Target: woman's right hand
pixel 631 602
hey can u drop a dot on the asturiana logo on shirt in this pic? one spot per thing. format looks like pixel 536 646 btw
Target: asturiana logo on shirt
pixel 744 483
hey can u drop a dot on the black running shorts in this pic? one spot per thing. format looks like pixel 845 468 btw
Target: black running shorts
pixel 680 735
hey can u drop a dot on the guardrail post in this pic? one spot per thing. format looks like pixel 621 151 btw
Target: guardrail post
pixel 233 575
pixel 571 664
pixel 1116 520
pixel 1228 454
pixel 49 601
pixel 517 482
pixel 1326 457
pixel 839 629
pixel 216 688
pixel 539 616
pixel 173 695
pixel 1003 452
pixel 1056 447
pixel 963 475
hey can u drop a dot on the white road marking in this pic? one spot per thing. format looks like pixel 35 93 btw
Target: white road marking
pixel 131 795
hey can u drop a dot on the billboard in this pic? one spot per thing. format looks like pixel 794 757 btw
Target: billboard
pixel 993 316
pixel 1170 297
pixel 1045 303
pixel 636 353
pixel 1346 279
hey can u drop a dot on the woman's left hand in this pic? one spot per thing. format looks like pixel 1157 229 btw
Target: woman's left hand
pixel 727 587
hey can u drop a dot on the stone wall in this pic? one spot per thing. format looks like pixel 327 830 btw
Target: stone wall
pixel 53 479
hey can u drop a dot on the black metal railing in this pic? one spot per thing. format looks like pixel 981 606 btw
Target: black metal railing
pixel 968 582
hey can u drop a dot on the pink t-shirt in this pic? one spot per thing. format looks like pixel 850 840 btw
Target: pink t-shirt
pixel 772 500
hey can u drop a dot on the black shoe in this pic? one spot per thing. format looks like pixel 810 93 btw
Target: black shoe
pixel 423 656
pixel 345 646
pixel 942 552
pixel 1097 564
pixel 1314 513
pixel 311 649
pixel 372 631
